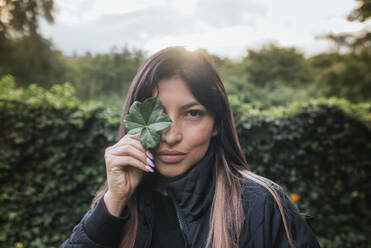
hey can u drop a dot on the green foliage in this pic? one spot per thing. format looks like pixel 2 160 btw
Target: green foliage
pixel 7 85
pixel 351 42
pixel 147 118
pixel 104 77
pixel 344 75
pixel 235 77
pixel 266 97
pixel 32 60
pixel 273 65
pixel 320 150
pixel 24 53
pixel 355 42
pixel 268 77
pixel 22 16
pixel 272 76
pixel 362 13
pixel 232 71
pixel 347 75
pixel 51 161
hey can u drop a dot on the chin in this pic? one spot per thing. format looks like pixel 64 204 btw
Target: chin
pixel 170 172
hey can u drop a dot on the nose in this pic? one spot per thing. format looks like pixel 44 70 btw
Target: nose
pixel 172 135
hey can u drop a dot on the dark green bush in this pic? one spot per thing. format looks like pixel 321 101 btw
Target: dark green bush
pixel 320 151
pixel 51 162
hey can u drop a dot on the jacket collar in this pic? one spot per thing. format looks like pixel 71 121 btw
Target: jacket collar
pixel 193 192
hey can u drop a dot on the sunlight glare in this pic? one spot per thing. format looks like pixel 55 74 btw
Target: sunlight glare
pixel 191 48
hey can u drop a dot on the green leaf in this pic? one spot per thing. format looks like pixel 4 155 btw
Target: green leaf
pixel 147 118
pixel 150 137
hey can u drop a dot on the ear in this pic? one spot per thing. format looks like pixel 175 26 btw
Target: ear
pixel 215 131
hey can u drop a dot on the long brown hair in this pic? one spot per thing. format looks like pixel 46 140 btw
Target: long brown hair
pixel 231 166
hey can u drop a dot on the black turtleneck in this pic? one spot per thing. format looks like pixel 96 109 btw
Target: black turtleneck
pixel 166 231
pixel 192 193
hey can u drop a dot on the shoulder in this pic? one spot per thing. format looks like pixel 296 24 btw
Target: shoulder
pixel 258 191
pixel 261 199
pixel 257 201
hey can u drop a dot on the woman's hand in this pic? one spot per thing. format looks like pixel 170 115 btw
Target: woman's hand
pixel 125 163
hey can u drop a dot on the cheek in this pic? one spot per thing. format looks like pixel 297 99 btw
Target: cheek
pixel 199 135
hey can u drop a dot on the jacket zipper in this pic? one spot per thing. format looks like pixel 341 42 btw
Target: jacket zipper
pixel 181 223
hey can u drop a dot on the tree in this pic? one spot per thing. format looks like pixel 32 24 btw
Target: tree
pixel 356 42
pixel 350 42
pixel 32 59
pixel 104 77
pixel 343 75
pixel 24 53
pixel 273 64
pixel 21 17
pixel 362 12
pixel 347 74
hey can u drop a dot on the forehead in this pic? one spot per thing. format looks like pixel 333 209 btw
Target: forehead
pixel 174 91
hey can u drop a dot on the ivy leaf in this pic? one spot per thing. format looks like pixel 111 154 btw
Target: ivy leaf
pixel 148 118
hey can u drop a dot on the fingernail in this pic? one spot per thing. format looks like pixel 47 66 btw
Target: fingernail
pixel 149 162
pixel 149 168
pixel 149 154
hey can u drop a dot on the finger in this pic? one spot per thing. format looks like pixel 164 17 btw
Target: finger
pixel 134 136
pixel 134 143
pixel 126 138
pixel 126 161
pixel 130 150
pixel 135 139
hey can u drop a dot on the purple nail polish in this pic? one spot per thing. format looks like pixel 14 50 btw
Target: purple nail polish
pixel 149 162
pixel 149 168
pixel 149 154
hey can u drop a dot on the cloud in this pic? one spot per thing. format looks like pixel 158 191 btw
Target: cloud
pixel 134 28
pixel 72 11
pixel 225 13
pixel 222 26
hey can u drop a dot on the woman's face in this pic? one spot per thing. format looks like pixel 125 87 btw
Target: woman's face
pixel 188 138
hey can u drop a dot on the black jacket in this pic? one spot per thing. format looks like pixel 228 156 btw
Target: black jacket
pixel 192 196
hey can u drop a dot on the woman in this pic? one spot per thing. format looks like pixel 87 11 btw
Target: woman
pixel 195 190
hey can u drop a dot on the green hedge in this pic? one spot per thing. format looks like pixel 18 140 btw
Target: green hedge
pixel 52 146
pixel 51 162
pixel 321 151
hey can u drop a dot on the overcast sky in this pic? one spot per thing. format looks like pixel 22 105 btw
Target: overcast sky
pixel 224 27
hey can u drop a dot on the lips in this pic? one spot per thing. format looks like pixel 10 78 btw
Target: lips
pixel 170 157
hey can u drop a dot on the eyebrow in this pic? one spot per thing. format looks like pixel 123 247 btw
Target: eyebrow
pixel 188 105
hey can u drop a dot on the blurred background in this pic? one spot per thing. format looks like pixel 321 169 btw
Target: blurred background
pixel 271 52
pixel 298 76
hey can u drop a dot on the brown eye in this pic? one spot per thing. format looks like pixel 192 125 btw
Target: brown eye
pixel 194 113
